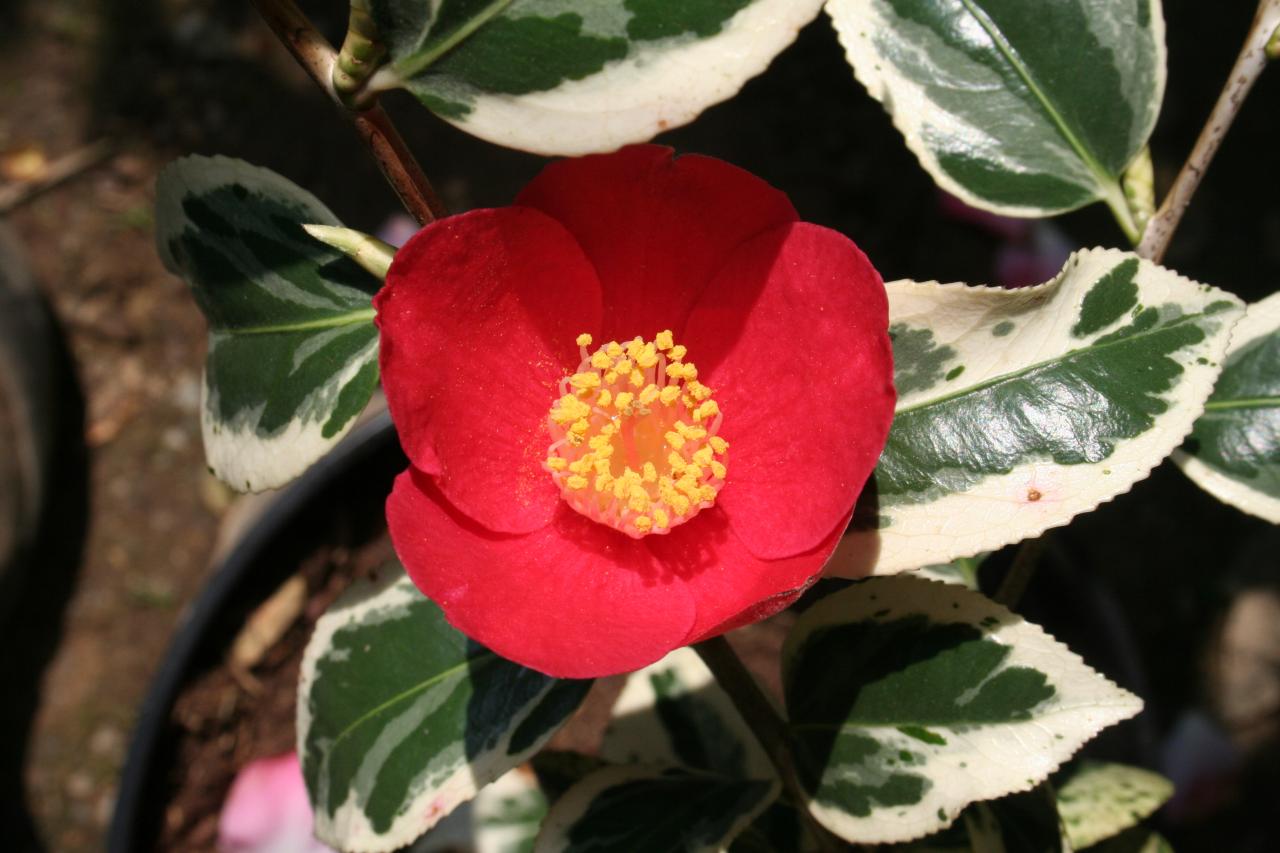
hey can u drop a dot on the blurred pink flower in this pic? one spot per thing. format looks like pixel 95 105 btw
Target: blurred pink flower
pixel 267 810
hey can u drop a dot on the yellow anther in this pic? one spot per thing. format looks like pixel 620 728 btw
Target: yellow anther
pixel 648 357
pixel 667 468
pixel 698 391
pixel 638 499
pixel 585 381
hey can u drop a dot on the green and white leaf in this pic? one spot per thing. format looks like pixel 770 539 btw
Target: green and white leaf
pixel 1136 840
pixel 578 76
pixel 1100 800
pixel 1233 451
pixel 911 699
pixel 507 814
pixel 674 713
pixel 1020 409
pixel 651 808
pixel 401 718
pixel 293 352
pixel 1017 107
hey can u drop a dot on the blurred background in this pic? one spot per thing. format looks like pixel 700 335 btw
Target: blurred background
pixel 108 519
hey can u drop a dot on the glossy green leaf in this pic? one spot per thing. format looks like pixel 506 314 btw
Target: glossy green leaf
pixel 401 718
pixel 647 808
pixel 293 353
pixel 910 699
pixel 1020 409
pixel 575 76
pixel 1234 450
pixel 1097 801
pixel 1027 108
pixel 674 713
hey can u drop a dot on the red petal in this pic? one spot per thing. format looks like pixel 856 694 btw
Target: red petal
pixel 574 599
pixel 657 228
pixel 478 321
pixel 731 586
pixel 792 335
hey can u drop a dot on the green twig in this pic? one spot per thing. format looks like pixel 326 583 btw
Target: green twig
pixel 362 54
pixel 767 725
pixel 1249 65
pixel 1025 561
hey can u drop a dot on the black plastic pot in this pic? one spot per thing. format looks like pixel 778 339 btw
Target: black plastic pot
pixel 354 478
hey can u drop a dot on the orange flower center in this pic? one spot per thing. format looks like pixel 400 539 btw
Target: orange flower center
pixel 634 442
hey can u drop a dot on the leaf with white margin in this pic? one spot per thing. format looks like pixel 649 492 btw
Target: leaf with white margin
pixel 293 352
pixel 674 713
pixel 1233 451
pixel 1020 409
pixel 910 699
pixel 507 814
pixel 1097 801
pixel 653 808
pixel 401 717
pixel 1021 108
pixel 579 76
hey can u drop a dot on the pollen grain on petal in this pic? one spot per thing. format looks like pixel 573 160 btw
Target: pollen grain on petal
pixel 620 459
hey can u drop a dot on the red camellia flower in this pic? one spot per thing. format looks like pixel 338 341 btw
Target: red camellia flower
pixel 639 405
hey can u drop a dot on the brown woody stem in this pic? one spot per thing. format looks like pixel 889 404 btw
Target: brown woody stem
pixel 1249 65
pixel 318 58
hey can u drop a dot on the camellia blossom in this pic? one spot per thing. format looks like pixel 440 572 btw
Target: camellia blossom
pixel 639 405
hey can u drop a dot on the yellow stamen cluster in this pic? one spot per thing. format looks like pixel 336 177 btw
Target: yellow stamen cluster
pixel 634 441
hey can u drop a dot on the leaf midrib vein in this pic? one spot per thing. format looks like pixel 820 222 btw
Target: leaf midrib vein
pixel 1070 354
pixel 350 318
pixel 483 659
pixel 997 37
pixel 1242 403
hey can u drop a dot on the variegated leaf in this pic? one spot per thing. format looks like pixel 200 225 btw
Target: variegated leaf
pixel 1136 840
pixel 1017 107
pixel 910 699
pixel 507 814
pixel 293 352
pixel 1097 801
pixel 649 808
pixel 1019 409
pixel 1233 451
pixel 576 76
pixel 401 718
pixel 674 713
